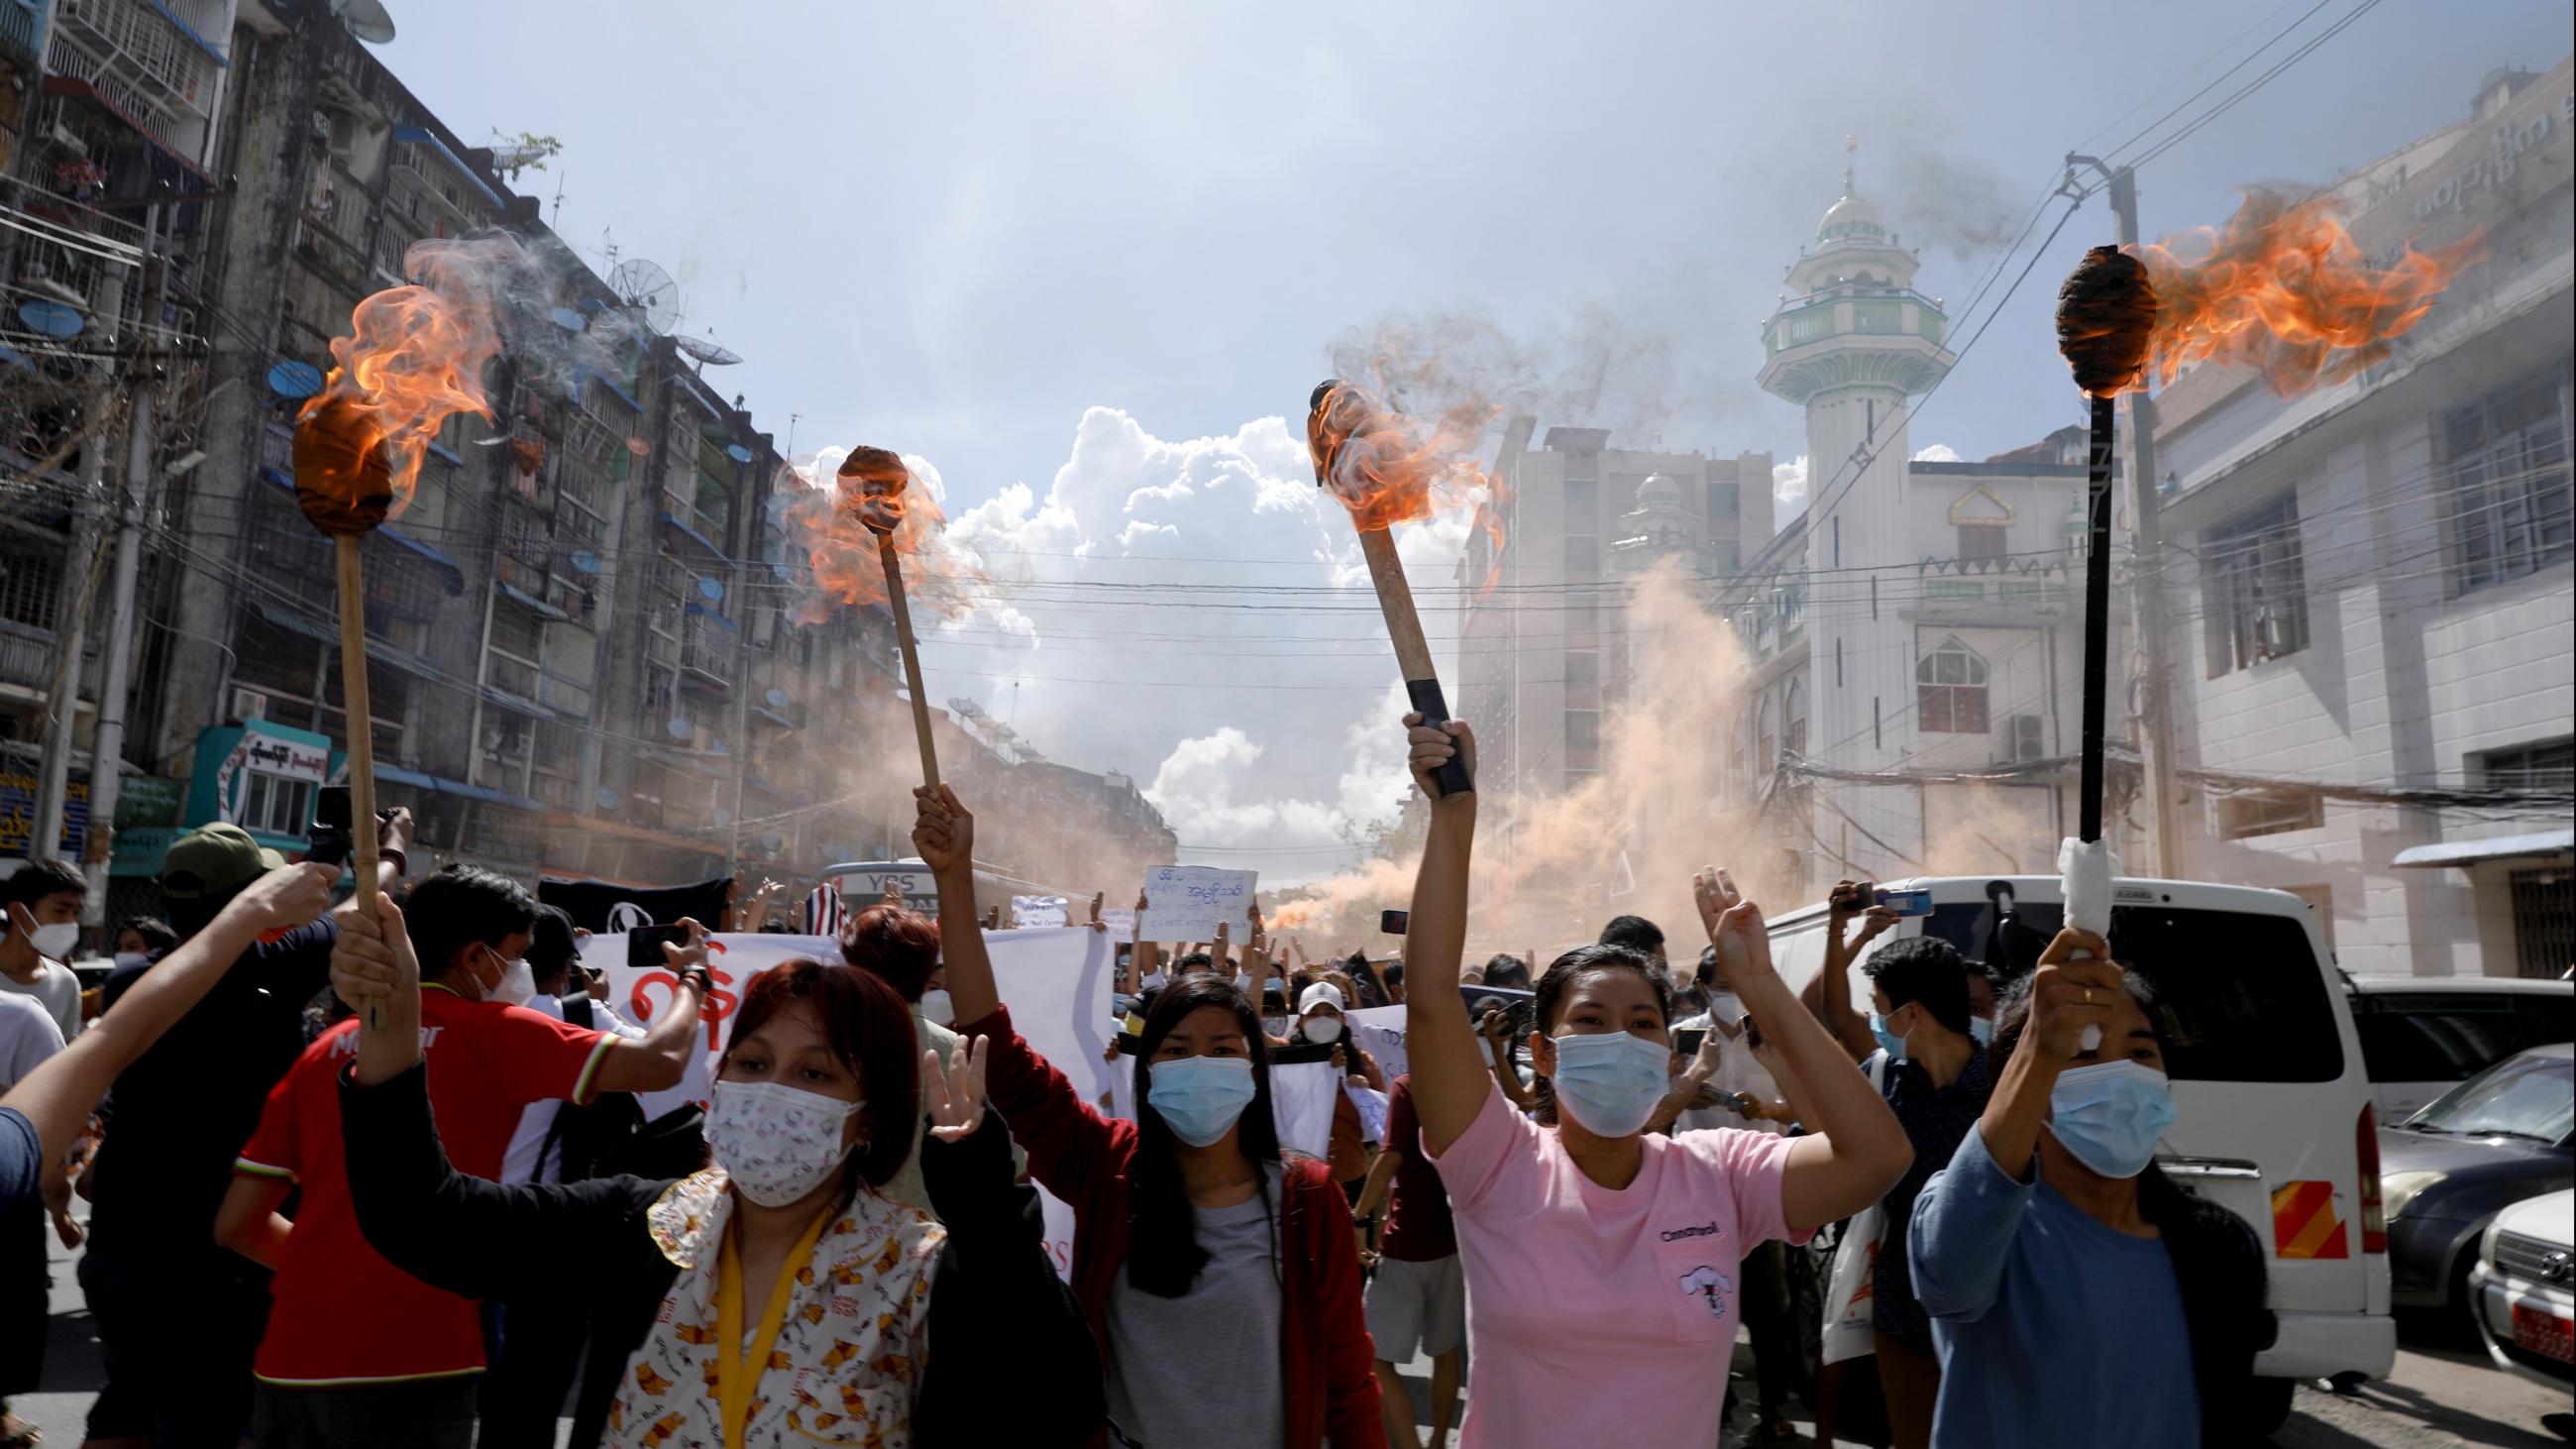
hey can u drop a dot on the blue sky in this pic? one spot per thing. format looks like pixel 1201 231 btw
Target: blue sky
pixel 981 233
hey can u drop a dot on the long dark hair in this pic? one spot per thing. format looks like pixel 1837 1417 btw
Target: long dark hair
pixel 1558 979
pixel 1163 1252
pixel 2217 1261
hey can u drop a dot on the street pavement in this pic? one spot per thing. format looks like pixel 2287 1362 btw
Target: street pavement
pixel 2443 1394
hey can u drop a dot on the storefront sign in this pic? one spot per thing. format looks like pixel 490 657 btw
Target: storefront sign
pixel 18 810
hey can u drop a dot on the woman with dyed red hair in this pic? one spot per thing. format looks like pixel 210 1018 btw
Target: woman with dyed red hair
pixel 776 1297
pixel 902 947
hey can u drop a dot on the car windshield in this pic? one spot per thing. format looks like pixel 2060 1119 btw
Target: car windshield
pixel 2531 1097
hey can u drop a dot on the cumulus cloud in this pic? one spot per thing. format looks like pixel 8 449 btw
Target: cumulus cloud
pixel 1788 491
pixel 1208 629
pixel 1937 453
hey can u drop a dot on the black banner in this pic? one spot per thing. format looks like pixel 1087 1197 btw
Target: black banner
pixel 597 906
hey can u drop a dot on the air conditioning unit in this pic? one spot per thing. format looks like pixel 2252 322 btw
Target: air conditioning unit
pixel 2029 737
pixel 248 704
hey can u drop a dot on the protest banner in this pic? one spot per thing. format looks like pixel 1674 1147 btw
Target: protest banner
pixel 1056 981
pixel 1379 1030
pixel 1188 902
pixel 1034 913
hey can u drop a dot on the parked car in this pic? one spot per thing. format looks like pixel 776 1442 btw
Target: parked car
pixel 2277 1121
pixel 2423 1035
pixel 2497 1139
pixel 2525 1289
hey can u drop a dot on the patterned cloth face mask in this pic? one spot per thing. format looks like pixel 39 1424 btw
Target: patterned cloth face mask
pixel 774 1142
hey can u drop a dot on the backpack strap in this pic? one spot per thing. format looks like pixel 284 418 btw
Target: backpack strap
pixel 577 1011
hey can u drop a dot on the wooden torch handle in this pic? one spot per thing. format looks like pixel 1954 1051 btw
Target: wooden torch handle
pixel 902 610
pixel 361 729
pixel 1412 651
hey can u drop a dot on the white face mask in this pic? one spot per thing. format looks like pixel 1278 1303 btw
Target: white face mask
pixel 1724 1009
pixel 1321 1029
pixel 1275 1025
pixel 55 942
pixel 128 959
pixel 776 1143
pixel 936 1008
pixel 517 986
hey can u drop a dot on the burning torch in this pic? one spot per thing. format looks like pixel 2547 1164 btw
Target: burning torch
pixel 872 481
pixel 1361 456
pixel 414 356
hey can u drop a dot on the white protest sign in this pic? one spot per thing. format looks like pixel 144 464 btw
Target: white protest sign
pixel 1379 1031
pixel 1301 1099
pixel 642 993
pixel 1188 902
pixel 1121 921
pixel 1057 982
pixel 1031 913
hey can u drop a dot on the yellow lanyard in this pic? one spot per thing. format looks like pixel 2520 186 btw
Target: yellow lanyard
pixel 738 1368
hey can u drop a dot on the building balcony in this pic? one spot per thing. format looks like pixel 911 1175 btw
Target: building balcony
pixel 140 62
pixel 710 652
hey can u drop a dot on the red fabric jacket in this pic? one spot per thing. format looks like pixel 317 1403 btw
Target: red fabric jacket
pixel 1325 1355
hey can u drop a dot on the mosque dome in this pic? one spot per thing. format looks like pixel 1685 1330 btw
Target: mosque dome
pixel 1852 216
pixel 1658 491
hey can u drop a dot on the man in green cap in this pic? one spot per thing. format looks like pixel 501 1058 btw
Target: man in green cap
pixel 178 1364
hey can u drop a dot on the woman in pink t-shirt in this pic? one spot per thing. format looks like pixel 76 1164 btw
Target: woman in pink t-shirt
pixel 1602 1260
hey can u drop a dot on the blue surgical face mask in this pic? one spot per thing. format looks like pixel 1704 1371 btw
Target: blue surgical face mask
pixel 2110 1115
pixel 1982 1029
pixel 1200 1097
pixel 1611 1080
pixel 1888 1041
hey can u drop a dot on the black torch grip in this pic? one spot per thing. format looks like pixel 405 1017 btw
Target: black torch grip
pixel 1452 778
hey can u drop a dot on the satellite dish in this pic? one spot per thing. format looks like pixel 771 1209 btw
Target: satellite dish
pixel 52 319
pixel 772 842
pixel 777 699
pixel 738 452
pixel 705 350
pixel 570 320
pixel 293 379
pixel 639 447
pixel 677 729
pixel 648 289
pixel 606 797
pixel 586 561
pixel 366 20
pixel 711 589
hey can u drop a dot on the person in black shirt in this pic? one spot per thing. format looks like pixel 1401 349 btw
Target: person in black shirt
pixel 178 1363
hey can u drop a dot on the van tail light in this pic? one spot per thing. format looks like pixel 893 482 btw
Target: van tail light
pixel 2365 1149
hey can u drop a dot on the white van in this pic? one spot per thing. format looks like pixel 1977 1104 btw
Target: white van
pixel 2423 1035
pixel 2277 1120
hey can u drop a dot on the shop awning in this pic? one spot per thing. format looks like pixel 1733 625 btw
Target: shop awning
pixel 531 603
pixel 457 788
pixel 2540 843
pixel 702 540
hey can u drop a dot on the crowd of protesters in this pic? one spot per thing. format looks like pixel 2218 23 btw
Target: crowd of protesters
pixel 380 1175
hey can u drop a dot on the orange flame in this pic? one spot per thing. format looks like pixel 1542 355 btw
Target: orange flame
pixel 414 357
pixel 837 520
pixel 2284 290
pixel 1387 468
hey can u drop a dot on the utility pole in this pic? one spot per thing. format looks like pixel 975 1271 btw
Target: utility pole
pixel 71 613
pixel 142 451
pixel 2147 599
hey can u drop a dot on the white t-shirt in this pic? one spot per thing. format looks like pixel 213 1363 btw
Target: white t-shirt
pixel 519 1162
pixel 1737 1071
pixel 55 989
pixel 27 1037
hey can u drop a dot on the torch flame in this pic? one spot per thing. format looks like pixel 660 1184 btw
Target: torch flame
pixel 414 357
pixel 2285 290
pixel 1387 468
pixel 836 521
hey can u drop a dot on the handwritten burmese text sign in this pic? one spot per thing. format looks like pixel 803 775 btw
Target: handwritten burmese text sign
pixel 1032 913
pixel 1188 902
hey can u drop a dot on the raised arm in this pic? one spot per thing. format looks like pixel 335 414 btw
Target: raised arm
pixel 2074 988
pixel 58 1096
pixel 415 1208
pixel 1829 995
pixel 1449 1083
pixel 1861 1151
pixel 943 831
pixel 660 1058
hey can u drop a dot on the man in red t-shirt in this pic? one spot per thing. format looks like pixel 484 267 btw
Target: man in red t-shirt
pixel 358 1354
pixel 1419 1296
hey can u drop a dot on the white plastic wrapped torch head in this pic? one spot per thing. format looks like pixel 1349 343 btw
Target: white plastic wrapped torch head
pixel 2085 869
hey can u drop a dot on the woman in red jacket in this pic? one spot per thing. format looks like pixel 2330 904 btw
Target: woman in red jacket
pixel 1222 1283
